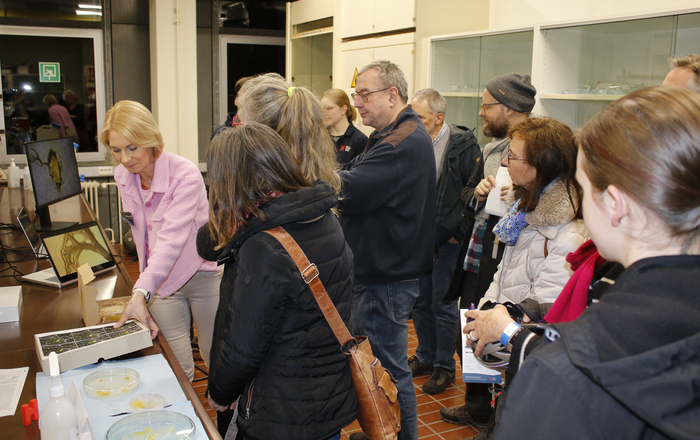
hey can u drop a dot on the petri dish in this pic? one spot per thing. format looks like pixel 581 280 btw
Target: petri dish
pixel 147 402
pixel 111 382
pixel 153 425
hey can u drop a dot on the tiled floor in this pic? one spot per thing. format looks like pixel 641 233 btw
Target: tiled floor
pixel 430 425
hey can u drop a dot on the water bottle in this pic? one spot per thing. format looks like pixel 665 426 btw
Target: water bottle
pixel 58 420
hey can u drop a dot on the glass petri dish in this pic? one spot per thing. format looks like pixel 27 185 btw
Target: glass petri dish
pixel 153 425
pixel 147 402
pixel 111 382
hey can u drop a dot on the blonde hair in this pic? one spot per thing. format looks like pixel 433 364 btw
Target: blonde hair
pixel 340 98
pixel 298 117
pixel 692 62
pixel 136 123
pixel 49 100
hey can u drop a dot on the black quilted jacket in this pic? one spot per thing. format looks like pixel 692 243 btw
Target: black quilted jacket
pixel 272 347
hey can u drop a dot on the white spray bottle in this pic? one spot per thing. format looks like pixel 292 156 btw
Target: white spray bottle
pixel 58 420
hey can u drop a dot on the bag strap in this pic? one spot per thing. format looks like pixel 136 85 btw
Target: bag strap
pixel 309 272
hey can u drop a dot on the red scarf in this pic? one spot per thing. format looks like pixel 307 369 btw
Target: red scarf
pixel 573 299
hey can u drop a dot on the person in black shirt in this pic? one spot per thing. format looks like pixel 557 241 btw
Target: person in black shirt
pixel 349 141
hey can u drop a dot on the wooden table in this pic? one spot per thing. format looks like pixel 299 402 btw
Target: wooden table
pixel 46 309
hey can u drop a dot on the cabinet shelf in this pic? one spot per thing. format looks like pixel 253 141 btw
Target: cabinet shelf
pixel 321 31
pixel 461 94
pixel 580 97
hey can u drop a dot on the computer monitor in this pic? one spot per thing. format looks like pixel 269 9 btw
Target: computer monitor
pixel 54 172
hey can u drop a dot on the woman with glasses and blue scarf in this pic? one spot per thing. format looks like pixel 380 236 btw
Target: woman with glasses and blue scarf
pixel 543 221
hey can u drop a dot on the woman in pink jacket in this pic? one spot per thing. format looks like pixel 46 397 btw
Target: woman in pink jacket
pixel 165 201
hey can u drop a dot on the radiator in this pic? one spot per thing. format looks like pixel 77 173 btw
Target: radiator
pixel 91 191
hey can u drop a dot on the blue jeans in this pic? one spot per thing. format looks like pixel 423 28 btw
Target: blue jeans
pixel 436 322
pixel 380 312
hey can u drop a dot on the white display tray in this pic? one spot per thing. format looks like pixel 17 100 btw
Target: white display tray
pixel 86 345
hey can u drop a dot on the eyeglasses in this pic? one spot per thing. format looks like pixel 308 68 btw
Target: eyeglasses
pixel 484 106
pixel 364 96
pixel 509 157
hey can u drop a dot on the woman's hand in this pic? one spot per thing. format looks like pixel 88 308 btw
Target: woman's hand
pixel 486 327
pixel 137 309
pixel 484 188
pixel 504 191
pixel 219 408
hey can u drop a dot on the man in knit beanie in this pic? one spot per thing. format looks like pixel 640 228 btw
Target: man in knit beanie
pixel 507 100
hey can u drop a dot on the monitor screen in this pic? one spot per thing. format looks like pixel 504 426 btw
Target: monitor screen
pixel 54 172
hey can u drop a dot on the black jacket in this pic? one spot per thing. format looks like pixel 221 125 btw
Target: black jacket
pixel 388 205
pixel 472 292
pixel 461 157
pixel 629 367
pixel 350 145
pixel 272 347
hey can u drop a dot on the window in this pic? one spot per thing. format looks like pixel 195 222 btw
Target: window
pixel 75 62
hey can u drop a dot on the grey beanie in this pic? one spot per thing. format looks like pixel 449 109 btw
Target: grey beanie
pixel 514 91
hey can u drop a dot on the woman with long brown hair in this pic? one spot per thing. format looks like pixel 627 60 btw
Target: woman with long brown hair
pixel 542 224
pixel 273 350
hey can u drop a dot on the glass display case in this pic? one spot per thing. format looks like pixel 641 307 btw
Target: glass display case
pixel 578 69
pixel 585 68
pixel 461 66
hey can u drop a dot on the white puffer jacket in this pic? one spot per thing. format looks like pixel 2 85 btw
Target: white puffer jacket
pixel 527 270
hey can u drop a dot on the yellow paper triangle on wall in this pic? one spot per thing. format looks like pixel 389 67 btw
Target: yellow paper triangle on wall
pixel 354 77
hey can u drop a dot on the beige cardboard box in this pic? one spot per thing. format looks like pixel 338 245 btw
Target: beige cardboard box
pixel 10 302
pixel 86 345
pixel 89 304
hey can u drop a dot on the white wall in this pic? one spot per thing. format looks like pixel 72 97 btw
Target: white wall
pixel 173 37
pixel 507 14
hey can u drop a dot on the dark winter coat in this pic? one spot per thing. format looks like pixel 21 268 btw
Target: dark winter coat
pixel 460 285
pixel 461 156
pixel 272 347
pixel 629 367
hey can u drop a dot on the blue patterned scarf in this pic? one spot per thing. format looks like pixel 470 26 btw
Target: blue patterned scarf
pixel 508 228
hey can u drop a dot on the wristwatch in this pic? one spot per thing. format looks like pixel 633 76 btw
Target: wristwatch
pixel 146 294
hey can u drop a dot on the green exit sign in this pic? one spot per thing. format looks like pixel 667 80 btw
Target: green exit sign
pixel 49 72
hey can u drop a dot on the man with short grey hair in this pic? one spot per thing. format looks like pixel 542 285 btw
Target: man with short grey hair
pixel 685 72
pixel 456 155
pixel 388 215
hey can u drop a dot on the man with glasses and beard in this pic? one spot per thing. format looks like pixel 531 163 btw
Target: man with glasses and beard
pixel 507 100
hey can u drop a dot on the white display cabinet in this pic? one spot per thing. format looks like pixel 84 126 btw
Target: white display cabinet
pixel 577 68
pixel 462 65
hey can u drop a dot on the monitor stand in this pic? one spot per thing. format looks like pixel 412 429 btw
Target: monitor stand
pixel 45 223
